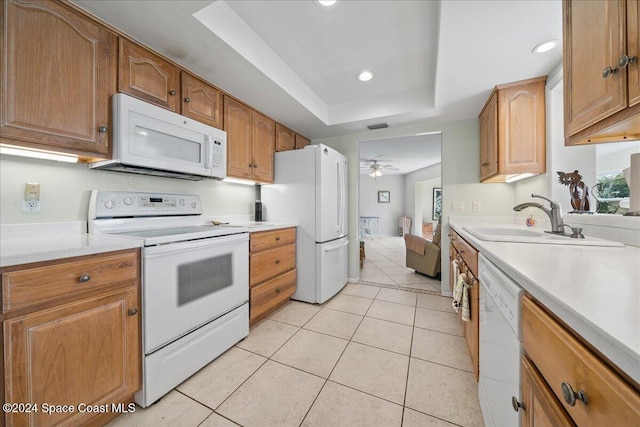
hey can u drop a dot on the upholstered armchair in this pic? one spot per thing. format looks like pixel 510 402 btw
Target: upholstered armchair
pixel 423 255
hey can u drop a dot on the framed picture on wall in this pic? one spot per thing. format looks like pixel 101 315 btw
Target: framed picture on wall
pixel 384 197
pixel 437 203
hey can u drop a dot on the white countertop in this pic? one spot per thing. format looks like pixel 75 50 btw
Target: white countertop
pixel 255 226
pixel 27 243
pixel 594 290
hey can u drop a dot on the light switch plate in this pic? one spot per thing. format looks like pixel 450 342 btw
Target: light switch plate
pixel 457 206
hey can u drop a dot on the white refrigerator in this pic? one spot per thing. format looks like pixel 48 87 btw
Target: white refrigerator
pixel 310 190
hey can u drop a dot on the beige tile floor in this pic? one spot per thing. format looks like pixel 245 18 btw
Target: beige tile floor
pixel 370 356
pixel 385 265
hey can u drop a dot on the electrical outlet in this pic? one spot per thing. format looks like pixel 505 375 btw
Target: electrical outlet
pixel 457 207
pixel 477 206
pixel 31 197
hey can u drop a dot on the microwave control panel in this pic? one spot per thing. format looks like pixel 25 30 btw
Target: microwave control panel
pixel 217 155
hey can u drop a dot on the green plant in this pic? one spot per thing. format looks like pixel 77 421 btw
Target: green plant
pixel 612 187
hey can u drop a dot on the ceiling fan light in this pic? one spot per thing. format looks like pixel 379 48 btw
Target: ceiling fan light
pixel 378 172
pixel 372 174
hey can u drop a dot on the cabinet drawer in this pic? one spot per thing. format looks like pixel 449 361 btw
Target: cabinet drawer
pixel 469 253
pixel 270 263
pixel 37 285
pixel 270 294
pixel 269 239
pixel 561 358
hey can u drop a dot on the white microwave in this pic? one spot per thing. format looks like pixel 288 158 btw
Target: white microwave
pixel 150 140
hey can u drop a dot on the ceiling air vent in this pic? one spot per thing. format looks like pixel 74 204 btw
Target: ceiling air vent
pixel 378 126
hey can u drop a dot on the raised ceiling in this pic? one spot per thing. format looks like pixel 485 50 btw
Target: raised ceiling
pixel 295 61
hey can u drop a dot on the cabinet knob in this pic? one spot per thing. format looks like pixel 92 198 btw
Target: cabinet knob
pixel 277 238
pixel 172 92
pixel 133 311
pixel 570 395
pixel 277 261
pixel 516 404
pixel 103 129
pixel 250 165
pixel 255 166
pixel 187 99
pixel 277 290
pixel 625 60
pixel 609 71
pixel 485 164
pixel 84 278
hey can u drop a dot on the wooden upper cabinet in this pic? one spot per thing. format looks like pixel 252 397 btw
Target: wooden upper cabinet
pixel 301 141
pixel 285 138
pixel 238 123
pixel 601 94
pixel 264 143
pixel 201 101
pixel 250 142
pixel 633 45
pixel 488 136
pixel 513 131
pixel 147 76
pixel 58 71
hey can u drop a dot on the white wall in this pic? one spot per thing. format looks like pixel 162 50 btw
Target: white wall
pixel 411 202
pixel 387 212
pixel 65 189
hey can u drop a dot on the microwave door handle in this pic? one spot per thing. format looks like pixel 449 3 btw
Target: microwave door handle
pixel 207 150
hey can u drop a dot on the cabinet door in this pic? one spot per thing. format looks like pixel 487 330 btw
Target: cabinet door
pixel 85 352
pixel 145 75
pixel 541 409
pixel 58 72
pixel 264 143
pixel 201 101
pixel 285 138
pixel 238 125
pixel 521 128
pixel 633 49
pixel 594 38
pixel 301 141
pixel 489 138
pixel 472 327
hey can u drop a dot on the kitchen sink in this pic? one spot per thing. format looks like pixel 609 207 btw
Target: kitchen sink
pixel 506 233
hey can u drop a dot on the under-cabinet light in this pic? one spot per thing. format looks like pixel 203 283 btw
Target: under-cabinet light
pixel 365 76
pixel 37 154
pixel 545 46
pixel 239 181
pixel 518 177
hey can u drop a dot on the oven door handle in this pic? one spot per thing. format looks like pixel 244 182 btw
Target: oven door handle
pixel 191 245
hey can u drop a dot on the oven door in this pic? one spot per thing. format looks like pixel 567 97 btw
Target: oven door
pixel 188 284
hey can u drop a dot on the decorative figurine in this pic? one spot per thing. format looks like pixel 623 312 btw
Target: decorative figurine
pixel 579 192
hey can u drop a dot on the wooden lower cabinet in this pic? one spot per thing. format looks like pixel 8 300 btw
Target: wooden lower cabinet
pixel 541 409
pixel 78 357
pixel 565 364
pixel 272 271
pixel 467 258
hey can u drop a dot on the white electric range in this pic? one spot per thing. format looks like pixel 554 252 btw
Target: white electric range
pixel 195 282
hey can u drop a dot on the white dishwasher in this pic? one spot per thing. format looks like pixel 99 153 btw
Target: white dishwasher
pixel 500 345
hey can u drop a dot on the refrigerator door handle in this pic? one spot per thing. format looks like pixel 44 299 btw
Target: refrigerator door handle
pixel 340 197
pixel 333 248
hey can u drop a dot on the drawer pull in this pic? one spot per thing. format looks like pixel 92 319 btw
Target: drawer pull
pixel 84 278
pixel 570 395
pixel 133 311
pixel 516 404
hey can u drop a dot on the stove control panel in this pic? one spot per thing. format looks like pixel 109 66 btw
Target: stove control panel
pixel 118 204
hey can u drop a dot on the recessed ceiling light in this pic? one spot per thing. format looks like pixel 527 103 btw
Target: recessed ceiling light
pixel 365 76
pixel 327 3
pixel 545 46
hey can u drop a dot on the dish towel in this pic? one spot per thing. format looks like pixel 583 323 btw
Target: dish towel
pixel 466 312
pixel 458 292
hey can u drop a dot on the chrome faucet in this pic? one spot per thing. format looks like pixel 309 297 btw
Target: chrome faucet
pixel 554 214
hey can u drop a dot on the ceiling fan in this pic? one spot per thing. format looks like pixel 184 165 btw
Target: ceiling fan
pixel 375 169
